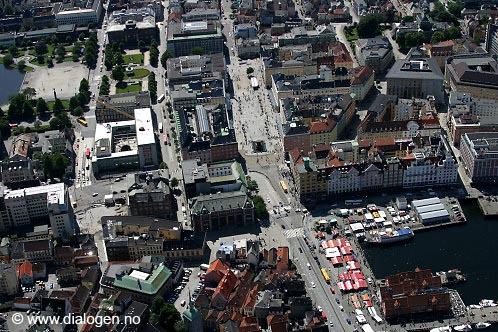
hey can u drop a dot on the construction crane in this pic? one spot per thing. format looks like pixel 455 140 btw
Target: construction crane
pixel 115 109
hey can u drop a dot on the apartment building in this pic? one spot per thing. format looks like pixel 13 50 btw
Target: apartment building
pixel 184 37
pixel 82 13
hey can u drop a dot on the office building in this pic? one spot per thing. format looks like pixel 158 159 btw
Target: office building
pixel 80 13
pixel 480 156
pixel 186 37
pixel 151 195
pixel 216 211
pixel 475 74
pixel 185 69
pixel 125 145
pixel 131 26
pixel 416 79
pixel 492 39
pixel 375 53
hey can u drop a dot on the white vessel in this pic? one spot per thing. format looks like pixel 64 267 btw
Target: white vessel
pixel 482 325
pixel 441 329
pixel 463 328
pixel 488 303
pixel 475 306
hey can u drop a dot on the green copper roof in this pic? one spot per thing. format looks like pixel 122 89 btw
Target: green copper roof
pixel 150 286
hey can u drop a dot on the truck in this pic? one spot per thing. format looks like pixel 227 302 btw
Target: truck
pixel 160 98
pixel 160 127
pixel 254 83
pixel 204 267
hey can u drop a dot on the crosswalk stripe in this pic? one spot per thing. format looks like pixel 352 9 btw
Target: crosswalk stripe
pixel 295 232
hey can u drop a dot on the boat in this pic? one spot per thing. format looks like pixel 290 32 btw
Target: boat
pixel 482 325
pixel 399 235
pixel 451 277
pixel 487 303
pixel 475 306
pixel 463 328
pixel 441 329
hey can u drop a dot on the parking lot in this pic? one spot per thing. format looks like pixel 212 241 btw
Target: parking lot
pixel 189 288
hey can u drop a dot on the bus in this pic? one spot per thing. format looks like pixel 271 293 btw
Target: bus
pixel 82 121
pixel 284 186
pixel 325 275
pixel 161 98
pixel 254 83
pixel 87 153
pixel 160 127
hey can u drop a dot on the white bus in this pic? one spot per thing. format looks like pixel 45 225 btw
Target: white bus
pixel 254 83
pixel 160 98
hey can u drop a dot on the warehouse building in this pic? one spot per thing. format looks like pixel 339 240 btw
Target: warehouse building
pixel 430 211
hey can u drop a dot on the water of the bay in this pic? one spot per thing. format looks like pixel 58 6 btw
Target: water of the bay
pixel 10 81
pixel 472 248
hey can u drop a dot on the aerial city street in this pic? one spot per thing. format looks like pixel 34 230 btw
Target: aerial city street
pixel 235 165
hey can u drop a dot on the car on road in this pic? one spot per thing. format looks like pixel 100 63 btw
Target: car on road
pixel 95 194
pixel 300 250
pixel 337 300
pixel 313 284
pixel 341 307
pixel 348 320
pixel 308 265
pixel 183 303
pixel 319 308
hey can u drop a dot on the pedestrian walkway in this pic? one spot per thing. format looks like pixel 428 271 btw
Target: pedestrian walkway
pixel 295 232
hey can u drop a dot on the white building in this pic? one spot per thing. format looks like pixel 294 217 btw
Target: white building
pixel 8 279
pixel 52 201
pixel 344 179
pixel 125 145
pixel 81 16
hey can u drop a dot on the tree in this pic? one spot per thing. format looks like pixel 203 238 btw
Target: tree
pixel 54 165
pixel 180 326
pixel 60 52
pixel 104 86
pixel 260 209
pixel 58 106
pixel 163 165
pixel 369 26
pixel 249 70
pixel 40 48
pixel 118 58
pixel 16 103
pixel 73 103
pixel 174 182
pixel 141 46
pixel 152 85
pixel 455 8
pixel 50 63
pixel 164 58
pixel 82 99
pixel 198 51
pixel 118 73
pixel 413 39
pixel 407 19
pixel 168 315
pixel 157 304
pixel 78 111
pixel 153 54
pixel 41 107
pixel 8 60
pixel 27 110
pixel 21 65
pixel 13 50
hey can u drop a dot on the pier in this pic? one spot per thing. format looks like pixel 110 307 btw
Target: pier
pixel 488 205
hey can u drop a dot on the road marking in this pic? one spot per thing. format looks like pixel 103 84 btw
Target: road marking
pixel 295 232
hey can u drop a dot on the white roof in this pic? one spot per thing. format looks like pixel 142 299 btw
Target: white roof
pixel 55 192
pixel 144 126
pixel 357 226
pixel 434 214
pixel 429 208
pixel 332 252
pixel 427 201
pixel 139 275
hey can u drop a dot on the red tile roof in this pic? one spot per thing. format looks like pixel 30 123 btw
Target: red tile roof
pixel 322 126
pixel 25 268
pixel 226 285
pixel 361 74
pixel 282 259
pixel 341 54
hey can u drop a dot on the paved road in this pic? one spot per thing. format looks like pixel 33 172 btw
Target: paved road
pixel 341 36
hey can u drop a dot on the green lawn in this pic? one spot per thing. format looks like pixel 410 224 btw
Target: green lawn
pixel 51 103
pixel 133 58
pixel 124 87
pixel 138 73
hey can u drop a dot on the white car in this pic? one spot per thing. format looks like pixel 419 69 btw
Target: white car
pixel 313 285
pixel 319 308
